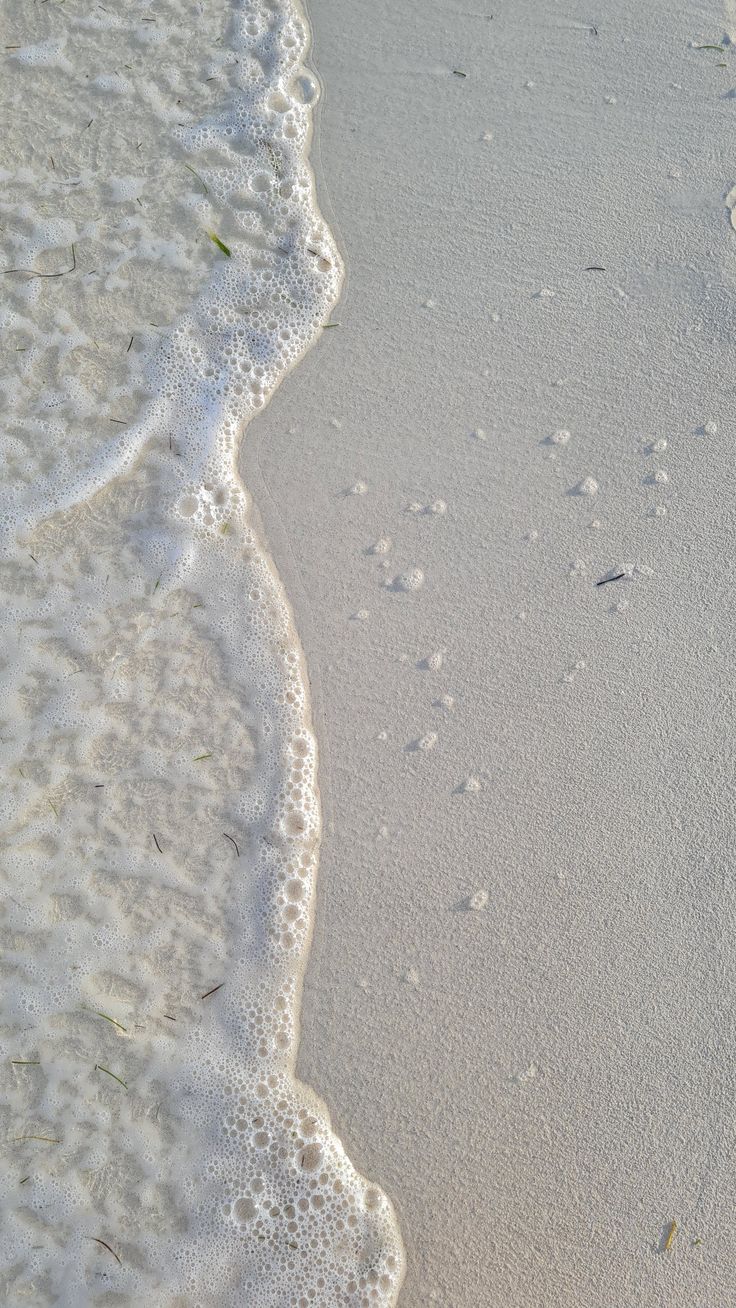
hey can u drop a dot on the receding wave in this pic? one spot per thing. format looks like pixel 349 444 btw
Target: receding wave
pixel 166 266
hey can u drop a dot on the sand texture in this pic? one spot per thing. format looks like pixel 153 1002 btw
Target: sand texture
pixel 519 1005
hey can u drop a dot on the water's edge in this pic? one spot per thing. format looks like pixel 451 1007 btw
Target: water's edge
pixel 163 827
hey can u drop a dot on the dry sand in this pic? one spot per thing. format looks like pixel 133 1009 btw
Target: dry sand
pixel 519 1003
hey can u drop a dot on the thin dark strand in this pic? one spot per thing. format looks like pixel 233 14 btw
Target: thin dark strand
pixel 96 1238
pixel 32 272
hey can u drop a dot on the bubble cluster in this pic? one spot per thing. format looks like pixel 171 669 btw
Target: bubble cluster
pixel 478 901
pixel 380 546
pixel 433 662
pixel 587 487
pixel 470 786
pixel 163 821
pixel 411 580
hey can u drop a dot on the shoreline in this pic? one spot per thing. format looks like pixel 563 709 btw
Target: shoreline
pixel 510 1073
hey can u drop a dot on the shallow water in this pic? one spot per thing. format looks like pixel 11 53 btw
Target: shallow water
pixel 161 816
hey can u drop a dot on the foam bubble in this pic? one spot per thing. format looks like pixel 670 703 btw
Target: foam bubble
pixel 381 546
pixel 433 662
pixel 470 786
pixel 588 487
pixel 411 580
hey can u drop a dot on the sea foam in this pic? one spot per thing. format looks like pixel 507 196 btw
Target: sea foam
pixel 160 814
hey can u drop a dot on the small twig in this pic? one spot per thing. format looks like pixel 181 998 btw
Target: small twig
pixel 98 1013
pixel 232 842
pixel 26 1062
pixel 130 342
pixel 105 1245
pixel 595 267
pixel 100 1068
pixel 606 580
pixel 669 1238
pixel 212 991
pixel 33 272
pixel 155 841
pixel 201 180
pixel 198 757
pixel 48 1139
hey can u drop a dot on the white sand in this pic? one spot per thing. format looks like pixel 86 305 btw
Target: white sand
pixel 542 1084
pixel 519 1003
